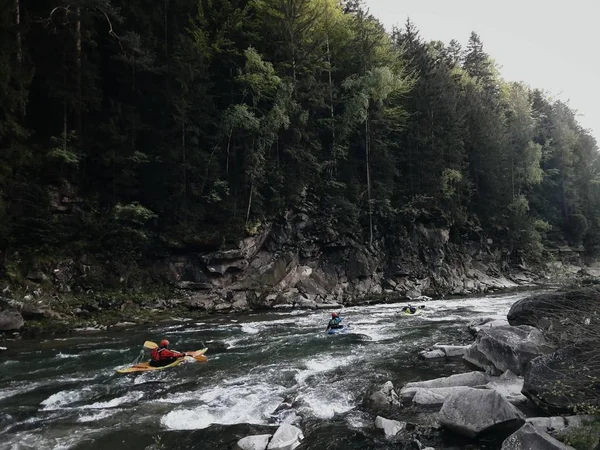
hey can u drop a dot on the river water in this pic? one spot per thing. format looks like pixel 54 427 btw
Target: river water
pixel 64 393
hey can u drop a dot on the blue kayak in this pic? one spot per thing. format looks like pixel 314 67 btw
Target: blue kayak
pixel 337 330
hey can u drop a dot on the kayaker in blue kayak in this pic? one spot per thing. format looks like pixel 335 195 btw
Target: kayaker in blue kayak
pixel 335 322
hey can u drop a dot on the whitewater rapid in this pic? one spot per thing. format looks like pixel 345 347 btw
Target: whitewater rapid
pixel 279 367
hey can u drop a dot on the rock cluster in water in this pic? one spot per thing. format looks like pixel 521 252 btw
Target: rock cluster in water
pixel 520 366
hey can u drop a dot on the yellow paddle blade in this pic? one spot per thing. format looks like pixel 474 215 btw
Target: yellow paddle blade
pixel 150 344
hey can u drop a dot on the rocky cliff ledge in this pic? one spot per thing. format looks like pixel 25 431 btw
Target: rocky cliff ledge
pixel 297 261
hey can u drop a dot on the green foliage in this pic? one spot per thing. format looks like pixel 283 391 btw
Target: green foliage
pixel 584 437
pixel 132 213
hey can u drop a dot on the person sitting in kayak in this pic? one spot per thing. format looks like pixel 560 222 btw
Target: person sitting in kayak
pixel 410 309
pixel 162 356
pixel 335 322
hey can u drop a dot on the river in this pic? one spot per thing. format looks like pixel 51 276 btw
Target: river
pixel 64 393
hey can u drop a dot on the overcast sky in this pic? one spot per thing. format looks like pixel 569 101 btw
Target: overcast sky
pixel 551 45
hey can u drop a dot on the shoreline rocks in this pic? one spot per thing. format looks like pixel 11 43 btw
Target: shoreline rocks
pixel 286 437
pixel 529 437
pixel 474 412
pixel 390 427
pixel 257 442
pixel 497 350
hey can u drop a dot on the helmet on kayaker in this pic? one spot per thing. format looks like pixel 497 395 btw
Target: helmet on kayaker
pixel 164 343
pixel 334 315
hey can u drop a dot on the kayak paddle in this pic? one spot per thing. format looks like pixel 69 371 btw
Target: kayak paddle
pixel 150 344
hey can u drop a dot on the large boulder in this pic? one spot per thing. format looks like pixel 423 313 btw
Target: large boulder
pixel 287 437
pixel 509 386
pixel 390 427
pixel 475 412
pixel 545 309
pixel 497 350
pixel 11 320
pixel 436 396
pixel 258 442
pixel 383 397
pixel 452 350
pixel 460 379
pixel 530 438
pixel 562 381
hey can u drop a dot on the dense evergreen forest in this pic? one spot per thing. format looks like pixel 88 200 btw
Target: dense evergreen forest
pixel 130 126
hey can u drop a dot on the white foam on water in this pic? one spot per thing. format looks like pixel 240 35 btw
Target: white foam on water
pixel 95 417
pixel 325 403
pixel 63 398
pixel 6 393
pixel 227 405
pixel 250 329
pixel 322 364
pixel 66 355
pixel 359 420
pixel 128 398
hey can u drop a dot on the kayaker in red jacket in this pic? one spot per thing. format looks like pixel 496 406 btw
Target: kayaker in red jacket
pixel 162 356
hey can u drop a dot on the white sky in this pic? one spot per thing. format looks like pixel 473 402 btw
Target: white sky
pixel 551 45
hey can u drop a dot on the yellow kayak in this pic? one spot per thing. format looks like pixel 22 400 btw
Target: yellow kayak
pixel 198 356
pixel 416 313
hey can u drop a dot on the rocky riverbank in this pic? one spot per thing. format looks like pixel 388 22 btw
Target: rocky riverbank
pixel 525 371
pixel 296 262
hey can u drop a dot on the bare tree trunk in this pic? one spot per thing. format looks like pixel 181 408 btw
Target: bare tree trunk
pixel 250 202
pixel 65 125
pixel 184 162
pixel 333 142
pixel 18 24
pixel 228 147
pixel 367 152
pixel 78 70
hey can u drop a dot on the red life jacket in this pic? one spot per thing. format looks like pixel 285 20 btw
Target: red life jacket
pixel 160 354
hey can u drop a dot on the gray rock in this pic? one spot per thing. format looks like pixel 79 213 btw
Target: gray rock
pixel 461 379
pixel 385 396
pixel 452 350
pixel 11 320
pixel 37 276
pixel 530 438
pixel 507 348
pixel 258 442
pixel 509 386
pixel 390 427
pixel 305 303
pixel 287 437
pixel 489 322
pixel 432 354
pixel 559 423
pixel 473 412
pixel 336 306
pixel 436 396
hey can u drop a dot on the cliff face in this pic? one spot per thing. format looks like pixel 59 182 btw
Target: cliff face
pixel 295 263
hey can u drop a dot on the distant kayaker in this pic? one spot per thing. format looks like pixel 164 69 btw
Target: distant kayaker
pixel 335 322
pixel 410 309
pixel 162 356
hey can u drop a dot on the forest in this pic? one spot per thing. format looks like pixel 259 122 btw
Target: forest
pixel 134 126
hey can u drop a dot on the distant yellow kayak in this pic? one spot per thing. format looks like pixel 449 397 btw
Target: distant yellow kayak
pixel 416 313
pixel 198 356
